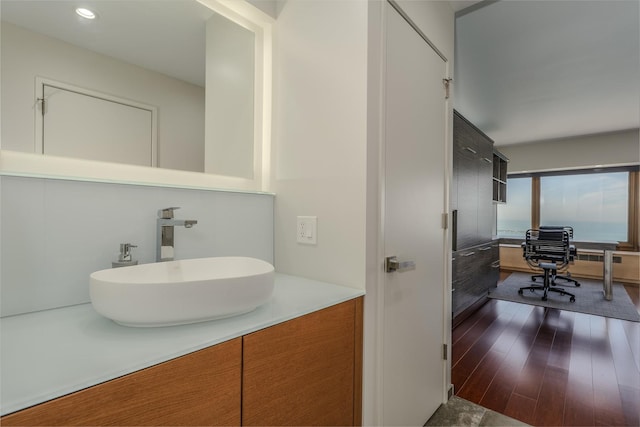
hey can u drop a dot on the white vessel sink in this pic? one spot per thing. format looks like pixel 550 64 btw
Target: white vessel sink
pixel 180 292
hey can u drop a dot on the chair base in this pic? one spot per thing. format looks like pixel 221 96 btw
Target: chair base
pixel 549 277
pixel 546 290
pixel 558 276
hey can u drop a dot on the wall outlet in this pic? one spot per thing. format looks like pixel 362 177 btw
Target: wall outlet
pixel 307 230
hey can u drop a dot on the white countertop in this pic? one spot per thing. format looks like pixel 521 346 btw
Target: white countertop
pixel 47 354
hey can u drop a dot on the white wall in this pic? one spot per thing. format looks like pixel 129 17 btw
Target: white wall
pixel 320 136
pixel 609 149
pixel 326 141
pixel 54 233
pixel 26 54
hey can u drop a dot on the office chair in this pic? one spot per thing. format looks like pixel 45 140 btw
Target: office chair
pixel 549 250
pixel 572 254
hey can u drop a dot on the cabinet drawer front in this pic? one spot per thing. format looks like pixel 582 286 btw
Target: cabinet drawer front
pixel 465 139
pixel 473 274
pixel 301 372
pixel 201 388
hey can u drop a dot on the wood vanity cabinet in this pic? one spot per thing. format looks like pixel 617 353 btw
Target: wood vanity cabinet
pixel 306 371
pixel 198 389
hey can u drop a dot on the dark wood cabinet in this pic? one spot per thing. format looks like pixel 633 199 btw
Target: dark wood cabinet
pixel 485 191
pixel 475 271
pixel 475 268
pixel 472 186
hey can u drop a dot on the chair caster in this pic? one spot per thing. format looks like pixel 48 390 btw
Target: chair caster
pixel 520 291
pixel 544 298
pixel 577 284
pixel 533 279
pixel 572 299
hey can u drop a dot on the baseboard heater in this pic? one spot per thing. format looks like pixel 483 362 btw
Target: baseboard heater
pixel 597 258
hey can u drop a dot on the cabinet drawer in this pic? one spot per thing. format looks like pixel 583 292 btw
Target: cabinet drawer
pixel 201 388
pixel 474 272
pixel 465 142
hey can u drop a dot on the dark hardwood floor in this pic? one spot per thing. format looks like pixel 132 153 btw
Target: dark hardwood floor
pixel 548 367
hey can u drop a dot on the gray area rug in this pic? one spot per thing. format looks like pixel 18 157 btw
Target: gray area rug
pixel 589 297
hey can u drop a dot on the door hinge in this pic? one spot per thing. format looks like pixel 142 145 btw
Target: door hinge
pixel 447 85
pixel 445 352
pixel 445 221
pixel 42 102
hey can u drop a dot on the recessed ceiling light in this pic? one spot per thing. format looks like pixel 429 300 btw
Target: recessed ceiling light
pixel 85 13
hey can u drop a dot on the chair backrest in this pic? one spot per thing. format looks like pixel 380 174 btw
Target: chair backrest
pixel 566 228
pixel 547 245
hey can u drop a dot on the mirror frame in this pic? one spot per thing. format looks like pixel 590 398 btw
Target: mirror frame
pixel 14 163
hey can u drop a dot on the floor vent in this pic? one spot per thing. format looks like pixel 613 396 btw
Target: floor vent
pixel 597 258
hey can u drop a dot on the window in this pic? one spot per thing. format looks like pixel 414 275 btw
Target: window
pixel 595 205
pixel 514 217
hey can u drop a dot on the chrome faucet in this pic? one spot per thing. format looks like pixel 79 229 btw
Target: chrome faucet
pixel 164 232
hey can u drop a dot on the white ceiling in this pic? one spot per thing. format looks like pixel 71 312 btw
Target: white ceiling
pixel 535 70
pixel 167 36
pixel 525 70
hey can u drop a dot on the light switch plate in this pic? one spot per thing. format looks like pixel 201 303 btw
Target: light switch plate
pixel 307 230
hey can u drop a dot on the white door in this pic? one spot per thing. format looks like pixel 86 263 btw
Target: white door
pixel 87 125
pixel 414 201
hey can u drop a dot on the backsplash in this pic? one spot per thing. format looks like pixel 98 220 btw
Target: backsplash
pixel 54 233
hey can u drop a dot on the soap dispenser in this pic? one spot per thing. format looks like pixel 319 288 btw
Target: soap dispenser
pixel 125 257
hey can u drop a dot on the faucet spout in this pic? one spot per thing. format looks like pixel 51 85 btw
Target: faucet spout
pixel 188 223
pixel 165 223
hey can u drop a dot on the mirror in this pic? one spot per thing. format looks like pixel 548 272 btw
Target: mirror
pixel 188 64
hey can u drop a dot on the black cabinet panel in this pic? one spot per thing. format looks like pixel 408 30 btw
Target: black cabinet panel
pixel 464 264
pixel 489 271
pixel 475 272
pixel 485 190
pixel 472 184
pixel 485 207
pixel 475 264
pixel 467 216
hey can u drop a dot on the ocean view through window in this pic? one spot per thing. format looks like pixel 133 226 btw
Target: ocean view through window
pixel 595 205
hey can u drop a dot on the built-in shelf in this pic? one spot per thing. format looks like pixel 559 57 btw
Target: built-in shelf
pixel 499 177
